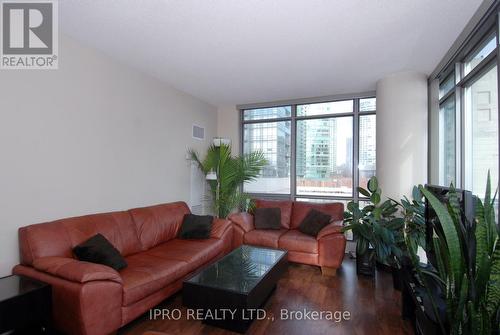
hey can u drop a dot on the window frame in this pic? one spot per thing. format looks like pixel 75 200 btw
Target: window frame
pixel 463 80
pixel 472 40
pixel 294 118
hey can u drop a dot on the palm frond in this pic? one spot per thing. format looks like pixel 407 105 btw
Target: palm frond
pixel 231 172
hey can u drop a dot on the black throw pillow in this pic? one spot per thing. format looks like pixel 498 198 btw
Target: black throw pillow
pixel 196 227
pixel 314 222
pixel 98 249
pixel 267 218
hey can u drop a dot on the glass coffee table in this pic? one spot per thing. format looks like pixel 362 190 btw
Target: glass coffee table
pixel 229 292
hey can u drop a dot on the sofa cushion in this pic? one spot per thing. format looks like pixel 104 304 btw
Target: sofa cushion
pixel 98 249
pixel 284 205
pixel 44 240
pixel 294 240
pixel 194 252
pixel 314 222
pixel 264 238
pixel 158 224
pixel 267 218
pixel 117 227
pixel 196 226
pixel 300 210
pixel 146 274
pixel 58 238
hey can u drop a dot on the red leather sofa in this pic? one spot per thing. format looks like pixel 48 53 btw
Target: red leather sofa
pixel 93 299
pixel 325 250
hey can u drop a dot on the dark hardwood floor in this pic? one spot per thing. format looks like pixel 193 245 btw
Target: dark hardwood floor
pixel 374 306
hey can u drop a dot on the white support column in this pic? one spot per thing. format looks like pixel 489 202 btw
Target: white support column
pixel 401 133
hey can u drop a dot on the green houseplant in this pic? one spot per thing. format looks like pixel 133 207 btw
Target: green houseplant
pixel 413 231
pixel 229 173
pixel 413 212
pixel 467 257
pixel 375 229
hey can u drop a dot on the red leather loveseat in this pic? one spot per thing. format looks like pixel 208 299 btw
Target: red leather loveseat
pixel 325 250
pixel 93 299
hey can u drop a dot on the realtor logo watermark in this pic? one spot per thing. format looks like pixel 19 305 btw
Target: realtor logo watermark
pixel 29 35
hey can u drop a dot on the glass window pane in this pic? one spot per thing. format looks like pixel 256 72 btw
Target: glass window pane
pixel 367 148
pixel 273 139
pixel 367 105
pixel 446 85
pixel 447 142
pixel 364 203
pixel 267 113
pixel 481 53
pixel 481 132
pixel 324 157
pixel 335 107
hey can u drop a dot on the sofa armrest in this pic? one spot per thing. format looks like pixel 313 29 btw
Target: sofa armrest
pixel 331 250
pixel 219 227
pixel 90 308
pixel 334 227
pixel 76 271
pixel 243 220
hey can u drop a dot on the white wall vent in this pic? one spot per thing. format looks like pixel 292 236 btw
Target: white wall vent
pixel 198 132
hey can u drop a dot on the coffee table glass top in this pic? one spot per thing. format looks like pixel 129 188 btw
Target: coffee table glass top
pixel 240 270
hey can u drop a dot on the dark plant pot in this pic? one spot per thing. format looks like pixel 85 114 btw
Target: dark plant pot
pixel 365 263
pixel 397 279
pixel 384 267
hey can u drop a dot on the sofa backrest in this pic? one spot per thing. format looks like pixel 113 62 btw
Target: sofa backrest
pixel 58 238
pixel 158 224
pixel 284 205
pixel 300 210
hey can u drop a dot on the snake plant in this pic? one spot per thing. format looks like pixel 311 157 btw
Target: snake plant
pixel 467 265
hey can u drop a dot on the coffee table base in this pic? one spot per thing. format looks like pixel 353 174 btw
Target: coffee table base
pixel 239 325
pixel 234 310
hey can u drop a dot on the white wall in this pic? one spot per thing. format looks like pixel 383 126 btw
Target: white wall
pixel 401 133
pixel 92 136
pixel 228 125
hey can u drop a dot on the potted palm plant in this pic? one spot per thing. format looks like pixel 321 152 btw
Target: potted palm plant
pixel 374 228
pixel 226 173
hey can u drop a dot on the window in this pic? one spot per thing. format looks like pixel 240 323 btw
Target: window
pixel 447 85
pixel 274 140
pixel 336 107
pixel 367 105
pixel 311 149
pixel 481 132
pixel 267 113
pixel 325 157
pixel 367 148
pixel 467 131
pixel 447 142
pixel 480 54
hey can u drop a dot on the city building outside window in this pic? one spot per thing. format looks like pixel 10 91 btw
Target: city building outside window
pixel 316 151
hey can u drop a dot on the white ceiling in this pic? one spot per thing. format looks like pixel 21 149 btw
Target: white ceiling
pixel 243 51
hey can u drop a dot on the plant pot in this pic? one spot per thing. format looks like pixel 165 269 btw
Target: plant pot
pixel 383 267
pixel 365 263
pixel 397 279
